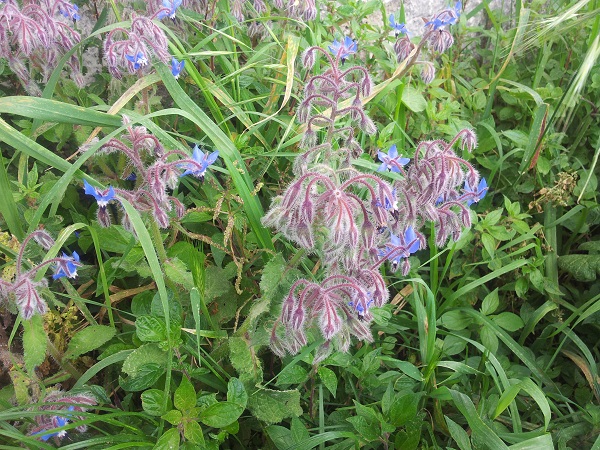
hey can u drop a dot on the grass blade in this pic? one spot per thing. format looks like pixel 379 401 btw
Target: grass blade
pixel 231 155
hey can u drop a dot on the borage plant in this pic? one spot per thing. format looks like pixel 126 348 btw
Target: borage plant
pixel 436 38
pixel 353 221
pixel 35 36
pixel 154 172
pixel 24 289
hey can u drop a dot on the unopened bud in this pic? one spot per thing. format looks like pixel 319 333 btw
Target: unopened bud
pixel 427 72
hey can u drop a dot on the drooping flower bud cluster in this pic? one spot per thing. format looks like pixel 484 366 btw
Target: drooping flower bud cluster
pixel 154 171
pixel 35 36
pixel 436 188
pixel 297 9
pixel 436 37
pixel 354 221
pixel 139 44
pixel 24 289
pixel 333 210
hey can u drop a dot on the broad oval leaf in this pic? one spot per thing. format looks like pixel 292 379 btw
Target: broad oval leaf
pixel 89 339
pixel 221 414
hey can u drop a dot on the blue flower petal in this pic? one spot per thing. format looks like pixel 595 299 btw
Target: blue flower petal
pixel 176 67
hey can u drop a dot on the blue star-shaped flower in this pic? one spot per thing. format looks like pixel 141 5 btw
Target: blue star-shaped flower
pixel 408 243
pixel 67 267
pixel 176 67
pixel 172 6
pixel 359 308
pixel 399 27
pixel 60 422
pixel 392 160
pixel 479 193
pixel 349 47
pixel 458 8
pixel 446 17
pixel 102 197
pixel 204 159
pixel 70 11
pixel 138 60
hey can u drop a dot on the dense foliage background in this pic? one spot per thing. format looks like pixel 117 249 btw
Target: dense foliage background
pixel 162 340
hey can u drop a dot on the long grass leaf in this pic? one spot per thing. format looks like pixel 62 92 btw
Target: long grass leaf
pixel 157 274
pixel 481 432
pixel 101 365
pixel 536 133
pixel 8 207
pixel 480 281
pixel 537 443
pixel 321 438
pixel 55 111
pixel 230 153
pixel 533 390
pixel 514 347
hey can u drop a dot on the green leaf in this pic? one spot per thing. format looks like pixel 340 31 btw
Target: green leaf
pixel 489 243
pixel 413 99
pixel 168 441
pixel 509 321
pixel 151 329
pixel 244 360
pixel 146 376
pixel 294 374
pixel 281 436
pixel 455 320
pixel 8 206
pixel 405 366
pixel 490 303
pixel 217 283
pixel 274 406
pixel 543 442
pixel 173 417
pixel 520 138
pixel 277 277
pixel 89 339
pixel 174 307
pixel 366 411
pixel 193 432
pixel 56 111
pixel 582 267
pixel 489 339
pixel 299 431
pixel 177 272
pixel 387 399
pixel 236 392
pixel 403 409
pixel 410 437
pixel 221 414
pixel 483 436
pixel 533 390
pixel 148 353
pixel 459 435
pixel 153 402
pixel 521 287
pixel 185 395
pixel 327 376
pixel 35 342
pixel 367 429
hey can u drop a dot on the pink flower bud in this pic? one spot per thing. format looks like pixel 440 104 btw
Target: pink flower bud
pixel 28 299
pixel 427 72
